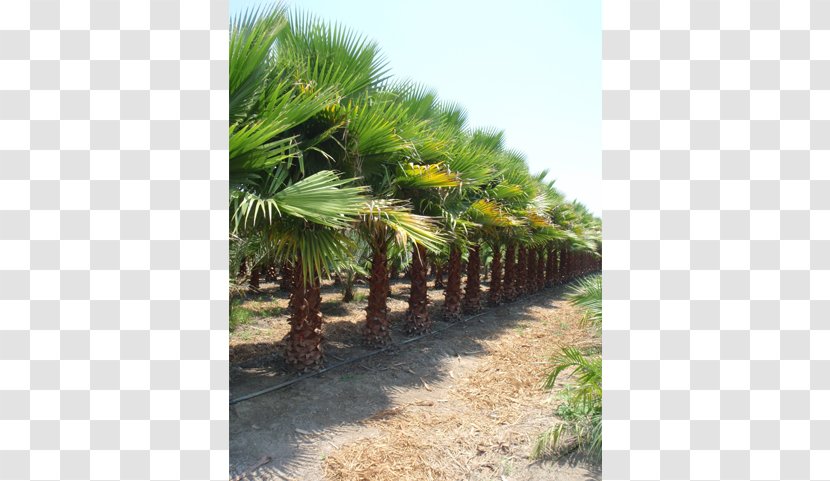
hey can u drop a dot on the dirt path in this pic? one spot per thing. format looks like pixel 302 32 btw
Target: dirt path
pixel 463 404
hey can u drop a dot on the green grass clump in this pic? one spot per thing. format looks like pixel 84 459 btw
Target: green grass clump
pixel 239 315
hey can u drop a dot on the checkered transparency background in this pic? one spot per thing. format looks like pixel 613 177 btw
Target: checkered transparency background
pixel 113 230
pixel 716 167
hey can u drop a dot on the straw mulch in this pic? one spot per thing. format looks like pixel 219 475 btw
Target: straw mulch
pixel 465 427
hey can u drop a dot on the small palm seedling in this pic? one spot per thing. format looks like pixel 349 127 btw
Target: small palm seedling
pixel 587 293
pixel 581 410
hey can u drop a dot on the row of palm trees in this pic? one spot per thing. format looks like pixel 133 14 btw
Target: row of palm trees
pixel 337 168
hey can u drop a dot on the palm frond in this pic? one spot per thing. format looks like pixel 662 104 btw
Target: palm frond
pixel 327 55
pixel 414 176
pixel 489 213
pixel 323 198
pixel 407 227
pixel 581 411
pixel 587 293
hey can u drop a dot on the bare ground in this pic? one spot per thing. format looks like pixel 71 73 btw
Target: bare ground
pixel 462 404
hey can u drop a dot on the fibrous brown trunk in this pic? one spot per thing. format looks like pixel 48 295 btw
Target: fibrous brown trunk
pixel 348 290
pixel 540 268
pixel 304 344
pixel 243 269
pixel 376 331
pixel 287 281
pixel 472 292
pixel 452 294
pixel 494 295
pixel 509 290
pixel 255 275
pixel 521 273
pixel 531 271
pixel 439 275
pixel 550 268
pixel 417 315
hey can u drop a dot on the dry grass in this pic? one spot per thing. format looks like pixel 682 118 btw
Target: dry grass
pixel 470 433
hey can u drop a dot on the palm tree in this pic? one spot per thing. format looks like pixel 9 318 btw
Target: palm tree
pixel 301 216
pixel 385 222
pixel 388 160
pixel 360 133
pixel 429 183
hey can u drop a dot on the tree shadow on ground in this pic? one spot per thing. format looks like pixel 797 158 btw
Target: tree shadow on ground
pixel 576 458
pixel 278 424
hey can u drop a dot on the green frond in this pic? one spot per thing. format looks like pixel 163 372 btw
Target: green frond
pixel 374 128
pixel 324 55
pixel 587 293
pixel 322 198
pixel 586 369
pixel 505 192
pixel 321 249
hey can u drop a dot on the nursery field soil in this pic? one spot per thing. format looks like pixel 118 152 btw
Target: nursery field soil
pixel 463 404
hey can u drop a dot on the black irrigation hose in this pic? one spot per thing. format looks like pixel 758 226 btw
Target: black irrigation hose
pixel 364 356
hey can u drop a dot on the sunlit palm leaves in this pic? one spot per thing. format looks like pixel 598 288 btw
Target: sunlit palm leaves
pixel 587 293
pixel 321 54
pixel 322 198
pixel 406 226
pixel 415 176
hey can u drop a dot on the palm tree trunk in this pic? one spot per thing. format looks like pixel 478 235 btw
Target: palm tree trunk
pixel 540 268
pixel 303 347
pixel 509 272
pixel 439 275
pixel 521 272
pixel 377 331
pixel 531 270
pixel 255 276
pixel 550 271
pixel 287 281
pixel 494 295
pixel 472 293
pixel 348 289
pixel 417 315
pixel 243 269
pixel 452 294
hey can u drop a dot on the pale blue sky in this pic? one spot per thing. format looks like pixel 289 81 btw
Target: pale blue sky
pixel 529 67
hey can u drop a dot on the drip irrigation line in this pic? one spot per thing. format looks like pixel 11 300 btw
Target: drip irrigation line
pixel 303 377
